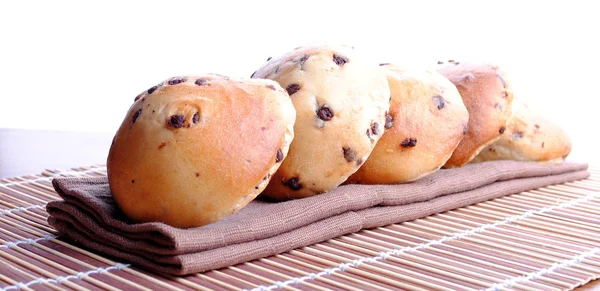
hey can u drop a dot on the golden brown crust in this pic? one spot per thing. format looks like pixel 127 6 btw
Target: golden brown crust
pixel 425 107
pixel 341 100
pixel 487 94
pixel 528 137
pixel 198 150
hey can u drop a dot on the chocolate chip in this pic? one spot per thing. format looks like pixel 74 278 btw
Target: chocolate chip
pixel 517 135
pixel 303 59
pixel 279 156
pixel 197 174
pixel 359 162
pixel 502 80
pixel 271 87
pixel 502 129
pixel 468 78
pixel 293 183
pixel 176 121
pixel 389 121
pixel 196 118
pixel 153 111
pixel 263 128
pixel 200 82
pixel 409 142
pixel 162 145
pixel 349 154
pixel 456 63
pixel 369 132
pixel 543 144
pixel 292 88
pixel 450 61
pixel 136 115
pixel 325 113
pixel 537 126
pixel 132 181
pixel 137 97
pixel 252 76
pixel 151 90
pixel 465 127
pixel 440 62
pixel 176 80
pixel 505 94
pixel 439 102
pixel 375 128
pixel 384 64
pixel 339 60
pixel 269 58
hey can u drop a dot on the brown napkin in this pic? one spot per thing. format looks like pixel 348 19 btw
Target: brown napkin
pixel 89 215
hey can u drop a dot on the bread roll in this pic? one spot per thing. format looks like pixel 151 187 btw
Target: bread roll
pixel 426 121
pixel 193 150
pixel 487 94
pixel 341 101
pixel 528 137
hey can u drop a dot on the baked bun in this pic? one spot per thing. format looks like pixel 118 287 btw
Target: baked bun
pixel 341 101
pixel 426 121
pixel 193 150
pixel 487 94
pixel 528 137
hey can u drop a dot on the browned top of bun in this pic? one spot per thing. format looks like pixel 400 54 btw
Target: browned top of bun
pixel 193 149
pixel 426 121
pixel 340 99
pixel 528 137
pixel 487 94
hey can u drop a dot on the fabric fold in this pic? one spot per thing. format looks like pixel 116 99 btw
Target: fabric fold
pixel 89 215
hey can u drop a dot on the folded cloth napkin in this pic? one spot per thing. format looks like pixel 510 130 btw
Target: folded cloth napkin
pixel 89 215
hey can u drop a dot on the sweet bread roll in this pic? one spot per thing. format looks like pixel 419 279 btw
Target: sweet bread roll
pixel 427 119
pixel 193 150
pixel 528 137
pixel 341 101
pixel 487 94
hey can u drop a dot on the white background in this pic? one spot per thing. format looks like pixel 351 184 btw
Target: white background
pixel 77 65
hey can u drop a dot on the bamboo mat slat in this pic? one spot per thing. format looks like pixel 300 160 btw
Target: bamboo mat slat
pixel 543 239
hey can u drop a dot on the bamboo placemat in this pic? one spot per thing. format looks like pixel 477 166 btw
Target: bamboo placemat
pixel 544 239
